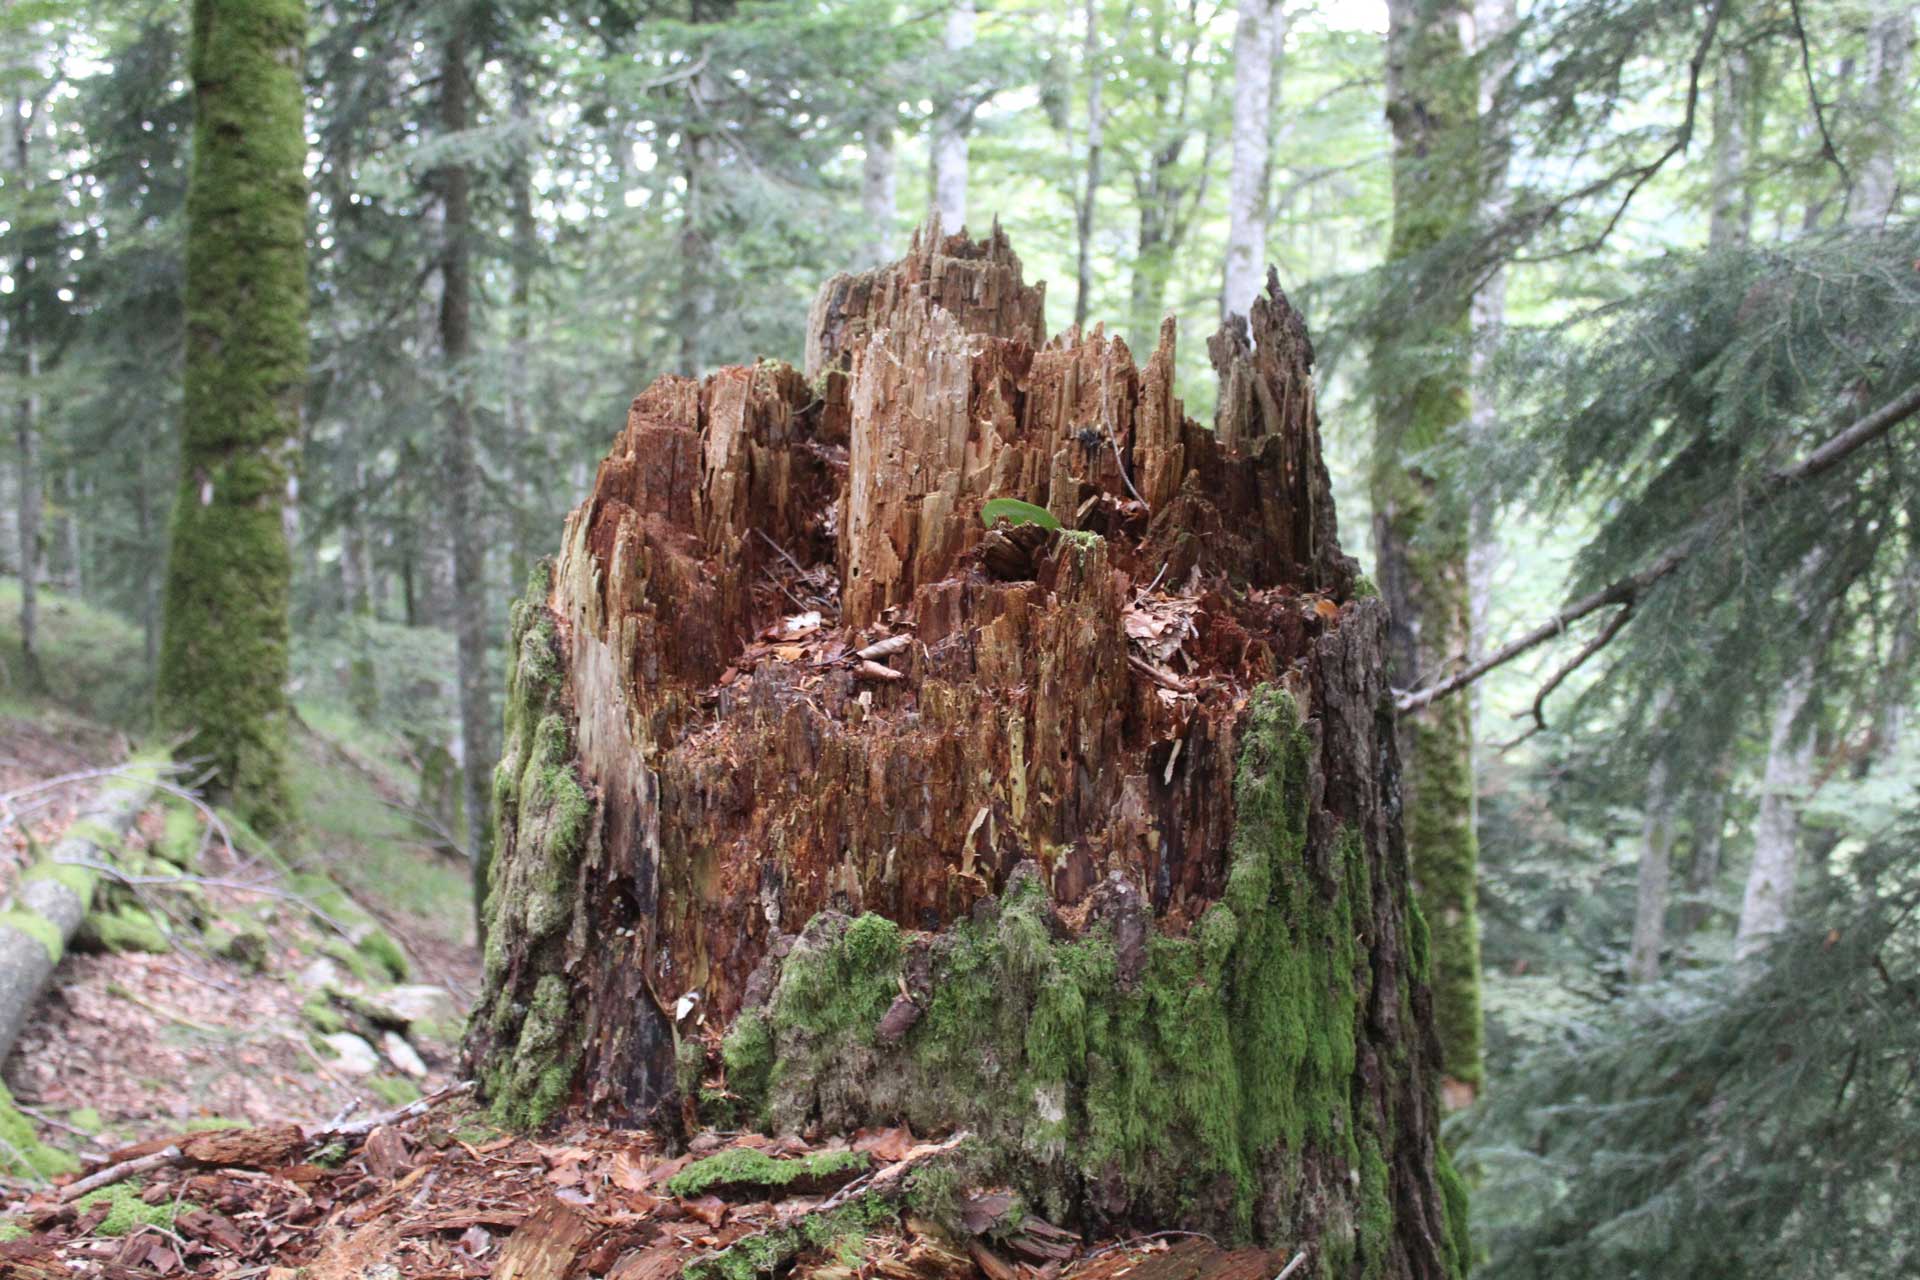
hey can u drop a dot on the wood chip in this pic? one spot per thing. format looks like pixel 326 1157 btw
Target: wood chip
pixel 874 671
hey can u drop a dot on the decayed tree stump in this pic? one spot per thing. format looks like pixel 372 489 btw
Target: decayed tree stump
pixel 824 804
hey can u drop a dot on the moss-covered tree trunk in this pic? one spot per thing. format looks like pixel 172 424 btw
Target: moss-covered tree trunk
pixel 1422 364
pixel 822 804
pixel 223 662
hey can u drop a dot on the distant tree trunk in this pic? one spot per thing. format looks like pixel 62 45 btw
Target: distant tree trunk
pixel 454 181
pixel 223 667
pixel 1258 34
pixel 522 254
pixel 1876 189
pixel 879 204
pixel 1493 20
pixel 699 290
pixel 1165 200
pixel 1654 877
pixel 951 124
pixel 1776 828
pixel 1707 825
pixel 1090 188
pixel 1422 367
pixel 26 428
pixel 1730 219
pixel 1139 924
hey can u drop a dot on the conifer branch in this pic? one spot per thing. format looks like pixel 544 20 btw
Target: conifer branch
pixel 1627 590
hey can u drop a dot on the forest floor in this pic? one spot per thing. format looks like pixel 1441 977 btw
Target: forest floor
pixel 258 1046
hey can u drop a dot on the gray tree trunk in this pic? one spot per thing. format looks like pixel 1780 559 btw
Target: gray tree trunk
pixel 879 200
pixel 1096 139
pixel 950 128
pixel 27 415
pixel 1258 33
pixel 1876 188
pixel 455 183
pixel 1768 898
pixel 1730 218
pixel 1656 865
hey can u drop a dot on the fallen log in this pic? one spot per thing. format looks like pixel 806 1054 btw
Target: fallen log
pixel 55 893
pixel 1111 875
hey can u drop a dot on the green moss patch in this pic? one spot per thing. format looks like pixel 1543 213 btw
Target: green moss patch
pixel 745 1169
pixel 127 1212
pixel 37 927
pixel 840 1232
pixel 22 1154
pixel 1169 1080
pixel 125 928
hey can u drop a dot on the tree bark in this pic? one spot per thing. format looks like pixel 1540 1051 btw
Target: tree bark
pixel 951 125
pixel 224 667
pixel 823 804
pixel 455 182
pixel 1422 368
pixel 1257 36
pixel 1730 219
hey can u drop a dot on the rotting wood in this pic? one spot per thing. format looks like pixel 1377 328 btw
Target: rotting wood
pixel 55 894
pixel 703 789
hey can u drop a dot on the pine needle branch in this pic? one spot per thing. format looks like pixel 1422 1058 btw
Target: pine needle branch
pixel 1627 590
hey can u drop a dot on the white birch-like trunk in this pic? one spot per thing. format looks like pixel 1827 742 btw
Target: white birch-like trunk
pixel 1257 40
pixel 1492 19
pixel 878 195
pixel 1656 869
pixel 1768 899
pixel 950 130
pixel 1730 217
pixel 1876 188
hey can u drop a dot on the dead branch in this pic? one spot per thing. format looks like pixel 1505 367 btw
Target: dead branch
pixel 120 1172
pixel 1628 590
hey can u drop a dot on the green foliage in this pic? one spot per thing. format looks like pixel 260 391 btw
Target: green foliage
pixel 1726 1125
pixel 1016 512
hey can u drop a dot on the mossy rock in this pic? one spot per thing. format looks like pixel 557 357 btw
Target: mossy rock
pixel 746 1169
pixel 247 946
pixel 124 928
pixel 22 1154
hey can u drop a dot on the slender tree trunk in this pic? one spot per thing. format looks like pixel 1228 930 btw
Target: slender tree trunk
pixel 1090 191
pixel 1707 825
pixel 1493 20
pixel 879 202
pixel 524 251
pixel 1423 365
pixel 1765 907
pixel 1152 949
pixel 1730 219
pixel 26 425
pixel 950 128
pixel 1876 188
pixel 1259 32
pixel 224 668
pixel 462 463
pixel 1656 868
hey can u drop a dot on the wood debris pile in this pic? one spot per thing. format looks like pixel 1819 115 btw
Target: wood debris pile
pixel 435 1192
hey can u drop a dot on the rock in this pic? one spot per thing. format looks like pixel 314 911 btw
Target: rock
pixel 419 1003
pixel 354 1056
pixel 322 974
pixel 402 1055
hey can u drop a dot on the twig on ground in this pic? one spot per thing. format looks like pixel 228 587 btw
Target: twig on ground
pixel 1293 1266
pixel 49 1121
pixel 119 1172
